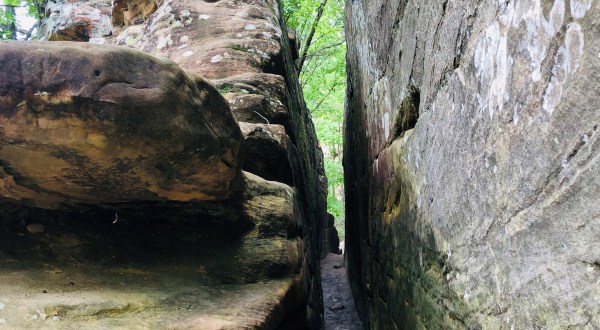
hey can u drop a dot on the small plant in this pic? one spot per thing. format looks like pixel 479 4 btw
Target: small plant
pixel 240 48
pixel 225 89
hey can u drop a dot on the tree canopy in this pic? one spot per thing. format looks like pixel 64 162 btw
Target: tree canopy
pixel 319 26
pixel 9 26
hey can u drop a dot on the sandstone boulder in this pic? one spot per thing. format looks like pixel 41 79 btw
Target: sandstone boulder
pixel 100 124
pixel 247 260
pixel 211 39
pixel 256 97
pixel 132 12
pixel 153 269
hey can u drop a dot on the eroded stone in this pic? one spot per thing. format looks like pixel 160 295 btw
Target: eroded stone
pixel 85 124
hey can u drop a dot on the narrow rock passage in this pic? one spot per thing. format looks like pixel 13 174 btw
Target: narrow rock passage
pixel 339 309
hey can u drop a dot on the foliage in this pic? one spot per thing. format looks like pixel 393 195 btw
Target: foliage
pixel 8 19
pixel 323 79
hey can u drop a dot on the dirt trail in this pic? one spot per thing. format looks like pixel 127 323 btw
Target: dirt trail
pixel 340 312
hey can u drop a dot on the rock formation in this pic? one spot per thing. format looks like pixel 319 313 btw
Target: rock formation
pixel 471 155
pixel 104 133
pixel 172 183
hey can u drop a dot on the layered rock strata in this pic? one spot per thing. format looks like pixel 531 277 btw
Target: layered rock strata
pixel 138 171
pixel 471 155
pixel 83 124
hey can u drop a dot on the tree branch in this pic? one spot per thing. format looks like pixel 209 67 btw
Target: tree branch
pixel 29 32
pixel 322 51
pixel 304 81
pixel 311 35
pixel 335 84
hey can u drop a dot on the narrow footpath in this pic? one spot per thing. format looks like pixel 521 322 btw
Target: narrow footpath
pixel 340 312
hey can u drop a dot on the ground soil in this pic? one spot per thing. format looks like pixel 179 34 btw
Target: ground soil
pixel 340 312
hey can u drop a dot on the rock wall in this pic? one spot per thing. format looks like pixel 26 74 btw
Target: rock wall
pixel 172 141
pixel 471 158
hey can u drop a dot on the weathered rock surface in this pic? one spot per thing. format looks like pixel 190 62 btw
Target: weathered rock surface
pixel 482 212
pixel 73 20
pixel 213 39
pixel 248 259
pixel 256 97
pixel 148 270
pixel 84 124
pixel 266 152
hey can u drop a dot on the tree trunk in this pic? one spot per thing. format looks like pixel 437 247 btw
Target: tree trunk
pixel 12 22
pixel 311 35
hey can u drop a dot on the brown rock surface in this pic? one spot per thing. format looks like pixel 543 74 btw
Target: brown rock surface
pixel 132 12
pixel 139 268
pixel 266 152
pixel 240 46
pixel 255 97
pixel 248 261
pixel 85 124
pixel 213 39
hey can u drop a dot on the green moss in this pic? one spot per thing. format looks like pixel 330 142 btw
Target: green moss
pixel 225 89
pixel 237 47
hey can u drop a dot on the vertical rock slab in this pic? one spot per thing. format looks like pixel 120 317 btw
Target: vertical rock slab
pixel 471 160
pixel 82 123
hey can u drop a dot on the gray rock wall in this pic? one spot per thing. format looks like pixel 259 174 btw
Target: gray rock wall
pixel 472 163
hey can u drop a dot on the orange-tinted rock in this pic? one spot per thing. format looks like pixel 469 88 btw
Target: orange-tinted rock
pixel 81 123
pixel 132 12
pixel 269 230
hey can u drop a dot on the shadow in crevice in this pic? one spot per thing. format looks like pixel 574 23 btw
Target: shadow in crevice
pixel 149 237
pixel 409 112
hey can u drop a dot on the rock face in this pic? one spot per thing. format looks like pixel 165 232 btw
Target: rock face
pixel 266 149
pixel 471 155
pixel 73 20
pixel 105 133
pixel 139 173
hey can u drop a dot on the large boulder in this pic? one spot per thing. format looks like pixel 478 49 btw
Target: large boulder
pixel 244 48
pixel 82 123
pixel 158 266
pixel 247 256
pixel 256 97
pixel 472 165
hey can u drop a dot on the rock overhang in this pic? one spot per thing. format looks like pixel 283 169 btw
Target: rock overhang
pixel 112 124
